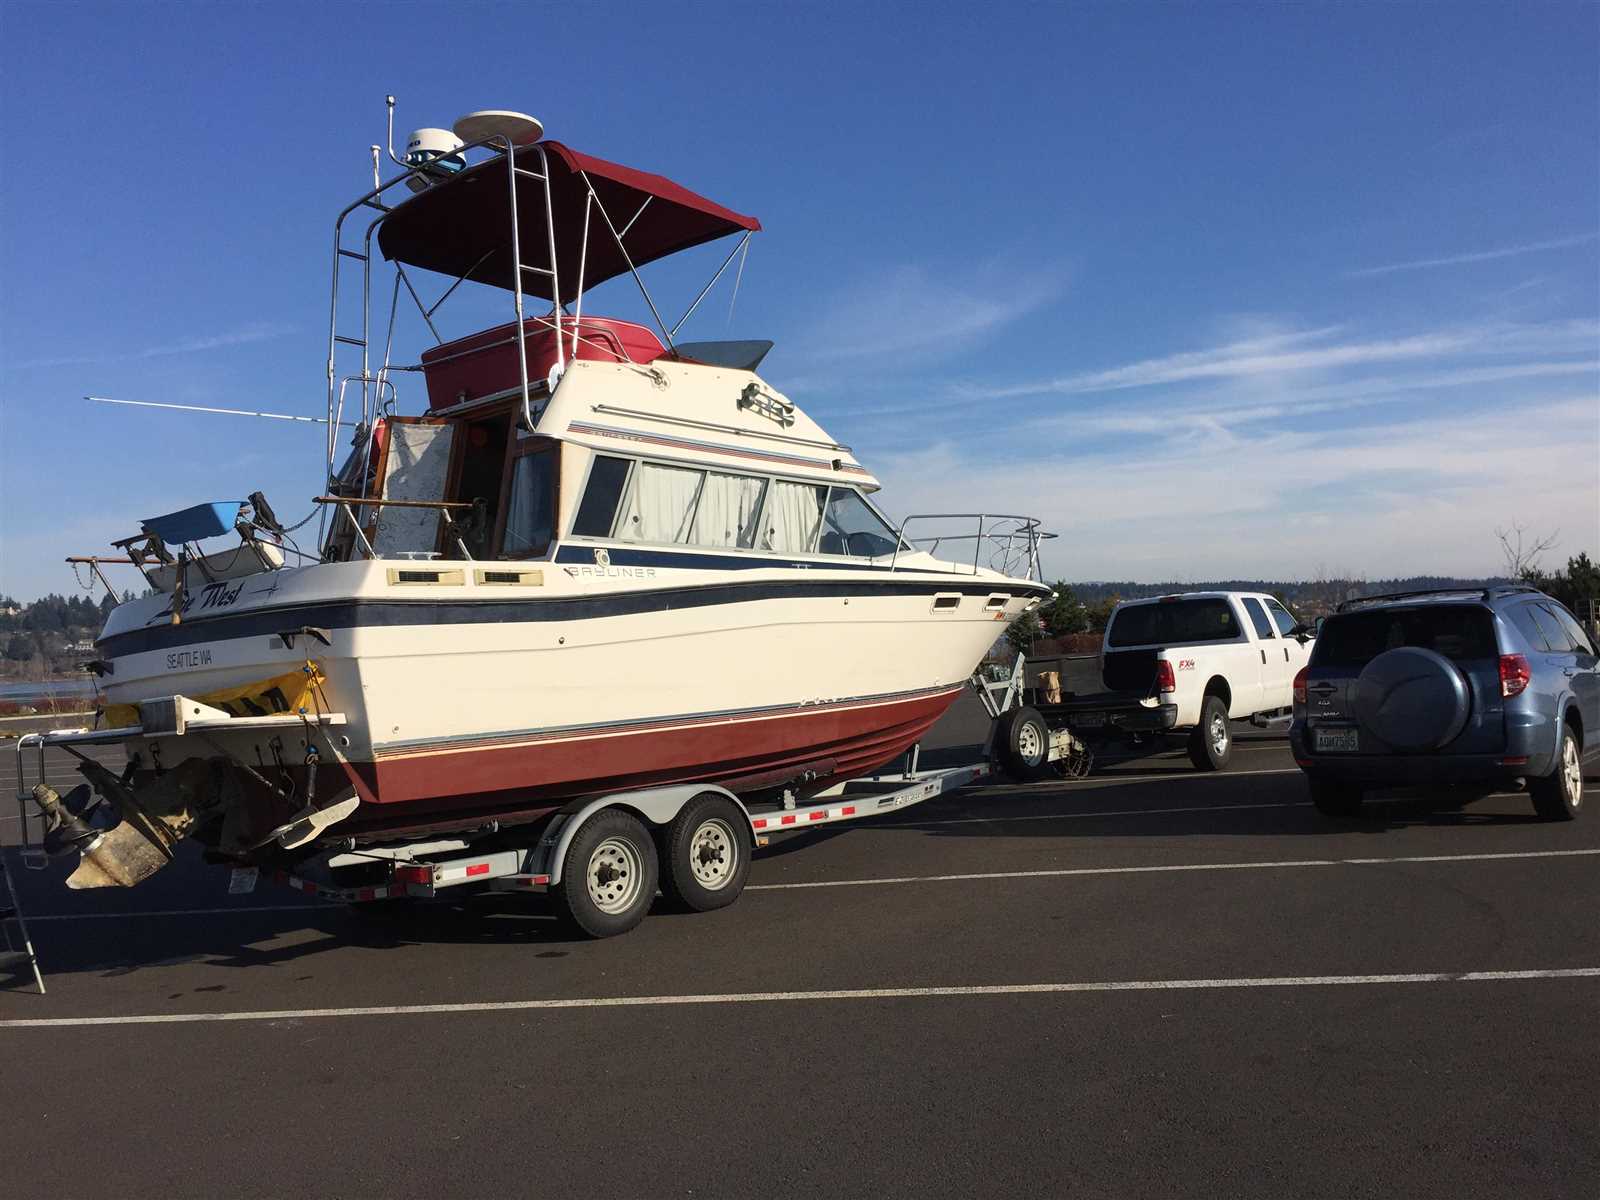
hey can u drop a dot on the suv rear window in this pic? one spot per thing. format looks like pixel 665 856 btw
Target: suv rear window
pixel 1460 632
pixel 1174 623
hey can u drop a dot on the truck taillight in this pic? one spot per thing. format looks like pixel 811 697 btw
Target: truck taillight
pixel 1300 685
pixel 1166 681
pixel 1515 675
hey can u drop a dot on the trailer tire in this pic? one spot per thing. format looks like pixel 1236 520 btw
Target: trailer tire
pixel 608 878
pixel 705 854
pixel 1022 741
pixel 1211 742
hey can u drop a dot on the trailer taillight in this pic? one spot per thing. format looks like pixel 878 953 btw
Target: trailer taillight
pixel 1300 686
pixel 1166 681
pixel 1515 675
pixel 414 873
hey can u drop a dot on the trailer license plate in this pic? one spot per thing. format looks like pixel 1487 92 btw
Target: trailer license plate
pixel 242 880
pixel 1089 720
pixel 1338 740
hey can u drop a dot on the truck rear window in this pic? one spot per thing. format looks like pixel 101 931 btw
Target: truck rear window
pixel 1460 632
pixel 1174 623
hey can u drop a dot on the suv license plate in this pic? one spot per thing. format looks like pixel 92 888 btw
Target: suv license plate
pixel 1337 739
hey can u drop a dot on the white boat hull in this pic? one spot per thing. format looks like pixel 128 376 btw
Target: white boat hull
pixel 465 700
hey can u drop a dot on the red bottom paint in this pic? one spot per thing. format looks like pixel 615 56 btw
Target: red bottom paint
pixel 526 777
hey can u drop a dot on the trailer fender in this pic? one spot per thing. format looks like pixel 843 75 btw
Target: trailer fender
pixel 658 806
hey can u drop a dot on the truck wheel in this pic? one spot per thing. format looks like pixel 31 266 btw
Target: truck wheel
pixel 608 879
pixel 1211 742
pixel 1335 798
pixel 1022 740
pixel 706 854
pixel 1558 796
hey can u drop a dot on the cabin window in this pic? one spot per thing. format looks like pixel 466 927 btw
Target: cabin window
pixel 793 516
pixel 598 510
pixel 531 511
pixel 728 512
pixel 660 504
pixel 850 526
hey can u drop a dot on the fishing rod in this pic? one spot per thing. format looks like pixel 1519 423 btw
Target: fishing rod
pixel 233 412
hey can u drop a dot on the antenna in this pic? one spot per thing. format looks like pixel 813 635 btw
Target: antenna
pixel 389 101
pixel 233 412
pixel 517 128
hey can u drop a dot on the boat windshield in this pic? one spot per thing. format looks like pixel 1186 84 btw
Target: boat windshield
pixel 850 526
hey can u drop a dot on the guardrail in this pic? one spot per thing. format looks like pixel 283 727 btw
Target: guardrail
pixel 1011 541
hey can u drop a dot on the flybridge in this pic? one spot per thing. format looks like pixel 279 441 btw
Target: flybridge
pixel 536 218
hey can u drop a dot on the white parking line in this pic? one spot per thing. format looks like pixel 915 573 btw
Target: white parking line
pixel 1063 872
pixel 1078 816
pixel 906 993
pixel 1278 865
pixel 1184 776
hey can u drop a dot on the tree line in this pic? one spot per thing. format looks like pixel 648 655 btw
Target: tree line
pixel 35 637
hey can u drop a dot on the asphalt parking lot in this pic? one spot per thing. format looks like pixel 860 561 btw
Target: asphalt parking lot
pixel 1152 982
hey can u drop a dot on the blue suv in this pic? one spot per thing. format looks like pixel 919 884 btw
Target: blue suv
pixel 1474 688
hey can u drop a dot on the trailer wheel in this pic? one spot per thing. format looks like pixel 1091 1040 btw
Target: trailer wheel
pixel 706 854
pixel 608 879
pixel 1023 743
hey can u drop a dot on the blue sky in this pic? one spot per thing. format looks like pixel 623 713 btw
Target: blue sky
pixel 1221 290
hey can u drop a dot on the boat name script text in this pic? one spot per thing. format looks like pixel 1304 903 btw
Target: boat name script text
pixel 612 572
pixel 184 659
pixel 213 595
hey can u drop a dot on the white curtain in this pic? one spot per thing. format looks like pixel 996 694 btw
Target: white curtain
pixel 793 515
pixel 660 504
pixel 726 516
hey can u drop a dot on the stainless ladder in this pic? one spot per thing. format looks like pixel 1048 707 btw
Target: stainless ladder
pixel 11 914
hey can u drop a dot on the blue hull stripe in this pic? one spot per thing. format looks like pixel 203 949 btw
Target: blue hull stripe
pixel 373 613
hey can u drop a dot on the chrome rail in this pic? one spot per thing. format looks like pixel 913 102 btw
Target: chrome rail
pixel 346 505
pixel 1012 541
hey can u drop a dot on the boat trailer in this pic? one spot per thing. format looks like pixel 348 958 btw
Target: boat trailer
pixel 693 841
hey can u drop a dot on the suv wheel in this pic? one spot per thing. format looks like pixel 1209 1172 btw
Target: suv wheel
pixel 1558 796
pixel 1335 798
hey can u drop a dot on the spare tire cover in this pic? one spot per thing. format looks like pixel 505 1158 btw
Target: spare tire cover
pixel 1414 699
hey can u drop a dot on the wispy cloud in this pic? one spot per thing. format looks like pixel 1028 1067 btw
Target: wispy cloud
pixel 1290 353
pixel 257 331
pixel 910 310
pixel 1216 412
pixel 1476 256
pixel 1400 498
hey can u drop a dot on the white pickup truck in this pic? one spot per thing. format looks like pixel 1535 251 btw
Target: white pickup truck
pixel 1191 662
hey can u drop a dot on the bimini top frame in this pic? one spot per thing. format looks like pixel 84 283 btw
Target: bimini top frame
pixel 475 225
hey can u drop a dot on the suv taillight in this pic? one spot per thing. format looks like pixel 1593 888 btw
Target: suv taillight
pixel 1300 685
pixel 1166 681
pixel 1515 675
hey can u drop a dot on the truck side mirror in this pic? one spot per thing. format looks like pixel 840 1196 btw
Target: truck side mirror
pixel 1303 633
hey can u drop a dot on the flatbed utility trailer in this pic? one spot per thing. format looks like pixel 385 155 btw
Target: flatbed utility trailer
pixel 602 858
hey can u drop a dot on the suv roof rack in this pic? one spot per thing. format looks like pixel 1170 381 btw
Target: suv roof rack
pixel 1483 593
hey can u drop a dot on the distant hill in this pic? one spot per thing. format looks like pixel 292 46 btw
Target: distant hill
pixel 1308 597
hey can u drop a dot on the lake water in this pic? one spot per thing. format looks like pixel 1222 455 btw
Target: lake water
pixel 24 691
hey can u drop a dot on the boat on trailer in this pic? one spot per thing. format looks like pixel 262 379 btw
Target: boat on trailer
pixel 599 560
